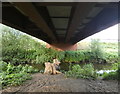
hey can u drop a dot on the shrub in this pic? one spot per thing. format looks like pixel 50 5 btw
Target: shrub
pixel 110 76
pixel 96 49
pixel 87 71
pixel 47 55
pixel 115 66
pixel 111 57
pixel 19 48
pixel 113 75
pixel 14 75
pixel 13 78
pixel 29 69
pixel 75 56
pixel 3 66
pixel 75 72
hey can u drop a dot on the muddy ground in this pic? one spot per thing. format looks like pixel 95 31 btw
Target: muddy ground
pixel 59 83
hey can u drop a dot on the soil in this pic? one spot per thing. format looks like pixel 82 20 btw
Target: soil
pixel 59 83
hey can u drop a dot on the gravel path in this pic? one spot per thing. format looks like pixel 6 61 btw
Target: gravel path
pixel 59 83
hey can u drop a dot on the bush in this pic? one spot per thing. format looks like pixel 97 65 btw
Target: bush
pixel 113 75
pixel 110 76
pixel 76 56
pixel 47 55
pixel 3 66
pixel 115 66
pixel 111 57
pixel 87 71
pixel 75 72
pixel 14 75
pixel 118 72
pixel 29 69
pixel 13 78
pixel 96 49
pixel 19 48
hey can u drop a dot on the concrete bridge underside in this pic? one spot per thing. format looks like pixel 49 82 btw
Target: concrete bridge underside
pixel 61 24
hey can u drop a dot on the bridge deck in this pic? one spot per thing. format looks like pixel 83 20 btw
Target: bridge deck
pixel 60 22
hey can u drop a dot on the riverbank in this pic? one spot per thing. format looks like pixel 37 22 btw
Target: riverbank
pixel 59 83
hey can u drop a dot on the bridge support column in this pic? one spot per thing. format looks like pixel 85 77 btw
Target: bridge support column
pixel 62 46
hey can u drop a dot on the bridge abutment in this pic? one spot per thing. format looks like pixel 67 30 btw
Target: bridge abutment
pixel 62 46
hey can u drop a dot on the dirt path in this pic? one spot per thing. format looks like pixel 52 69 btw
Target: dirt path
pixel 58 83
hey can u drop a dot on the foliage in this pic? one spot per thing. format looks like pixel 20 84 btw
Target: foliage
pixel 105 51
pixel 96 49
pixel 115 66
pixel 71 56
pixel 112 47
pixel 47 55
pixel 19 48
pixel 111 57
pixel 3 66
pixel 76 56
pixel 87 71
pixel 74 72
pixel 118 72
pixel 98 53
pixel 110 76
pixel 14 75
pixel 13 78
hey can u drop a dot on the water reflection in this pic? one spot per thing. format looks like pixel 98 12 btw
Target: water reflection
pixel 107 71
pixel 65 66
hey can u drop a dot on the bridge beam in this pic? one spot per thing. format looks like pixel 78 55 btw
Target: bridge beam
pixel 106 18
pixel 29 10
pixel 81 11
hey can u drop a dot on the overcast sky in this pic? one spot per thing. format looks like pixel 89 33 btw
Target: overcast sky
pixel 110 33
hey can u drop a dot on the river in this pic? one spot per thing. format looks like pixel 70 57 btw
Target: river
pixel 65 66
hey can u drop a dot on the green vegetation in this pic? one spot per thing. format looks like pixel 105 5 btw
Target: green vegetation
pixel 19 49
pixel 46 55
pixel 76 56
pixel 110 52
pixel 96 49
pixel 87 71
pixel 18 52
pixel 115 66
pixel 95 54
pixel 110 76
pixel 14 75
pixel 113 75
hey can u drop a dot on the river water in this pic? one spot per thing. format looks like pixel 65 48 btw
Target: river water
pixel 65 66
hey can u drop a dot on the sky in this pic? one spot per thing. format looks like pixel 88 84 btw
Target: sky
pixel 109 34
